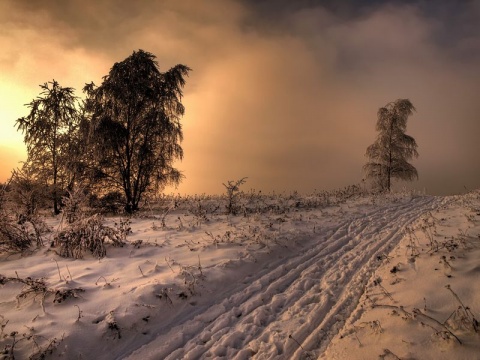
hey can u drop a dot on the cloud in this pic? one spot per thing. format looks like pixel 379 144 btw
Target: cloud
pixel 286 95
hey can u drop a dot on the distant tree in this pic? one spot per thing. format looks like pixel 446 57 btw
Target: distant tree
pixel 135 125
pixel 47 133
pixel 389 154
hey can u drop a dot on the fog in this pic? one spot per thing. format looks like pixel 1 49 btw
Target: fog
pixel 285 95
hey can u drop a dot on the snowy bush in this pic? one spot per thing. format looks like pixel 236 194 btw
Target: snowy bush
pixel 18 232
pixel 74 204
pixel 87 235
pixel 233 191
pixel 25 193
pixel 20 224
pixel 110 203
pixel 14 237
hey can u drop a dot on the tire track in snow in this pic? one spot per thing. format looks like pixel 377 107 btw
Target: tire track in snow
pixel 305 300
pixel 355 273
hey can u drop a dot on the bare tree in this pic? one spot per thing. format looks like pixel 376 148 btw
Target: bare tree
pixel 389 154
pixel 135 126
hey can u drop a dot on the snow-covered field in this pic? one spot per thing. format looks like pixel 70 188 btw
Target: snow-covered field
pixel 394 277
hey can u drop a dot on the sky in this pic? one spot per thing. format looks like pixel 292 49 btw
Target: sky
pixel 284 93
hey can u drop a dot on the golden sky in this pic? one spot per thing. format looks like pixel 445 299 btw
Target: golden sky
pixel 284 95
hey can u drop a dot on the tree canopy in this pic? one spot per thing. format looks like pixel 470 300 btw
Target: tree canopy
pixel 135 127
pixel 389 154
pixel 47 133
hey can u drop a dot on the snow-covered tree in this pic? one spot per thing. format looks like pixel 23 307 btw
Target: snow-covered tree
pixel 48 131
pixel 135 125
pixel 388 156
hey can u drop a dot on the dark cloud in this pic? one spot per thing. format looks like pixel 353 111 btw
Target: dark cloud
pixel 284 92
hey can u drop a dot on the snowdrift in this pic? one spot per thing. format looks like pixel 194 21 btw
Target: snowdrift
pixel 287 277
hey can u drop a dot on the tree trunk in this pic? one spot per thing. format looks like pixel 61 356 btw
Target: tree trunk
pixel 56 208
pixel 129 205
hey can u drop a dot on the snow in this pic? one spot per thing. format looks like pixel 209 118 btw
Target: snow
pixel 371 277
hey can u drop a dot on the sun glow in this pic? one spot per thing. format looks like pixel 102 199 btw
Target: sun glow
pixel 12 148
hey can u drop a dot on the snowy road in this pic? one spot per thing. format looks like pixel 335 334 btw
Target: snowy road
pixel 293 306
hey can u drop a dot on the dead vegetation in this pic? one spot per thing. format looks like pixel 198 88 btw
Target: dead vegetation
pixel 87 235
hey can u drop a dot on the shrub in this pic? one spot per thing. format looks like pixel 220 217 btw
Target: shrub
pixel 74 203
pixel 111 202
pixel 233 190
pixel 87 235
